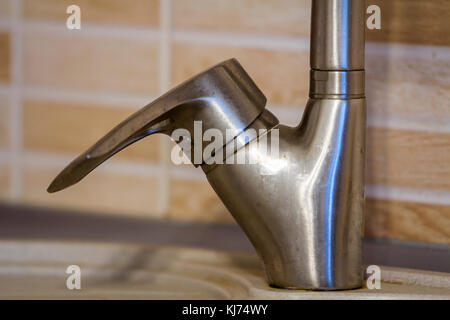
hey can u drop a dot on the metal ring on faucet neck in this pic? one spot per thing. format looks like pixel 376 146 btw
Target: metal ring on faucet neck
pixel 336 84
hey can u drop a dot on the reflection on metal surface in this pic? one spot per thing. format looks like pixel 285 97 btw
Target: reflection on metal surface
pixel 302 209
pixel 305 220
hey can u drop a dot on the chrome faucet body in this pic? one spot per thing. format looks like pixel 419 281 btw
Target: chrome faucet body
pixel 305 218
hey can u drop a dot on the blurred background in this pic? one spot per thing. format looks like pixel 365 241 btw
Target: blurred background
pixel 61 90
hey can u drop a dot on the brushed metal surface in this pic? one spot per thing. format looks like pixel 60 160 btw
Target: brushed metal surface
pixel 337 34
pixel 305 218
pixel 337 84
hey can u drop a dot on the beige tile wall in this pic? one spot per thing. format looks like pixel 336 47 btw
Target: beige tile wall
pixel 279 84
pixel 112 63
pixel 141 13
pixel 282 17
pixel 195 200
pixel 110 191
pixel 61 90
pixel 71 127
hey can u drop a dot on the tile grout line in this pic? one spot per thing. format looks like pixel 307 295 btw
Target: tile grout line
pixel 108 99
pixel 428 196
pixel 239 39
pixel 164 85
pixel 95 30
pixel 16 178
pixel 45 159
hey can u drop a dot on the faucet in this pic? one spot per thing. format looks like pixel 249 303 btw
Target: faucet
pixel 305 218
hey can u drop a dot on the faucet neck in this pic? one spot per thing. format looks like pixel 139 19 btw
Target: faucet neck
pixel 337 49
pixel 337 35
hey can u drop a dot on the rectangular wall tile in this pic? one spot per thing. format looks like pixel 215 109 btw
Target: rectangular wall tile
pixel 193 200
pixel 4 181
pixel 4 122
pixel 413 21
pixel 396 63
pixel 101 191
pixel 73 61
pixel 4 57
pixel 405 158
pixel 408 103
pixel 410 83
pixel 407 220
pixel 72 128
pixel 283 76
pixel 406 21
pixel 285 17
pixel 137 12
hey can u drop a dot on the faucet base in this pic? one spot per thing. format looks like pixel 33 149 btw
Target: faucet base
pixel 303 210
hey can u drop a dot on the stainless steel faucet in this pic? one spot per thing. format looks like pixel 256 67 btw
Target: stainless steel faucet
pixel 305 218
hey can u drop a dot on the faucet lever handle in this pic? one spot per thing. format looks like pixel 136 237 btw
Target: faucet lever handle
pixel 223 97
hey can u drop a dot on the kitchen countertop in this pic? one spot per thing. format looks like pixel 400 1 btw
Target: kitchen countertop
pixel 18 222
pixel 42 270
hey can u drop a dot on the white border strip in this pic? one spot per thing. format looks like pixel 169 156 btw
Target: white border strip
pixel 431 125
pixel 399 50
pixel 94 30
pixel 429 196
pixel 122 167
pixel 243 40
pixel 109 99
